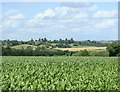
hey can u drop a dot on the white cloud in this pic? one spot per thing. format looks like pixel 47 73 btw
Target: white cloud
pixel 81 15
pixel 80 10
pixel 47 13
pixel 106 23
pixel 85 6
pixel 11 12
pixel 104 14
pixel 93 8
pixel 18 16
pixel 63 21
pixel 13 23
pixel 76 4
pixel 61 11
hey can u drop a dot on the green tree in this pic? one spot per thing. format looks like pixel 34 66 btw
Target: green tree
pixel 113 49
pixel 39 39
pixel 32 40
pixel 72 41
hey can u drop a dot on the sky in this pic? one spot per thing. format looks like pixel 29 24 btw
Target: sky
pixel 55 20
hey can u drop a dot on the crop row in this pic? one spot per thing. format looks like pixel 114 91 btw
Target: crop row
pixel 59 73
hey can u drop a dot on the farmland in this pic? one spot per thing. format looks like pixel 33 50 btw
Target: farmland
pixel 83 48
pixel 75 48
pixel 59 73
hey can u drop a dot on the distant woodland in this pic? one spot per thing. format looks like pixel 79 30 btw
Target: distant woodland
pixel 66 43
pixel 113 48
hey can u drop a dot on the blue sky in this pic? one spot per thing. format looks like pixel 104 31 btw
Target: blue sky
pixel 55 20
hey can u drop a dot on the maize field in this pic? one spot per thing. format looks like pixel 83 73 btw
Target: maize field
pixel 59 73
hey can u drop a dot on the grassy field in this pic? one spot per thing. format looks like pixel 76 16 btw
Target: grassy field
pixel 82 46
pixel 59 73
pixel 24 46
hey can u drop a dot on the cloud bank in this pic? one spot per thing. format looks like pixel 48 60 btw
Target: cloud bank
pixel 80 21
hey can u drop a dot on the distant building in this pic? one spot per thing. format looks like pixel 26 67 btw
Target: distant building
pixel 49 48
pixel 55 48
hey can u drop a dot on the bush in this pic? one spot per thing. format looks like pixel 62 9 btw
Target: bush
pixel 81 53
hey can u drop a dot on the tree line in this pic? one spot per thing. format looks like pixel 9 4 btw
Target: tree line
pixel 66 43
pixel 112 50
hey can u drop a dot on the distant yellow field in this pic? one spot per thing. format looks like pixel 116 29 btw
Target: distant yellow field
pixel 87 48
